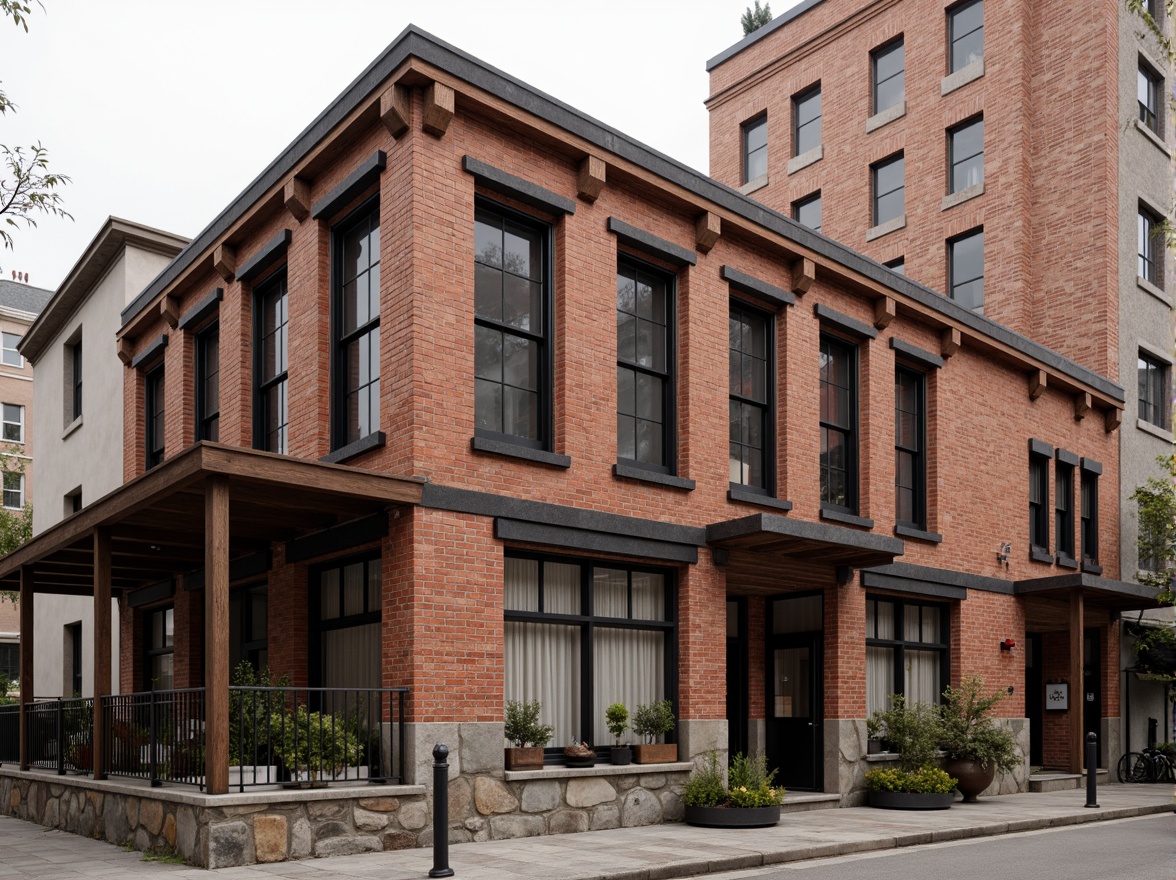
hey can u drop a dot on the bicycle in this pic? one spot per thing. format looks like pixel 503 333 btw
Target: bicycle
pixel 1150 765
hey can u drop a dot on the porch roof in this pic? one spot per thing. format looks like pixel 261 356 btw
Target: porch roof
pixel 1097 592
pixel 157 520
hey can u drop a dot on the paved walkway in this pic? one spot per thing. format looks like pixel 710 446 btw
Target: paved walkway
pixel 654 853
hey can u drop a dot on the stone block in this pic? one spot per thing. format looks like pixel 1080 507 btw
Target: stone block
pixel 481 747
pixel 169 829
pixel 701 736
pixel 186 832
pixel 348 846
pixel 589 791
pixel 604 817
pixel 380 804
pixel 461 799
pixel 567 822
pixel 368 820
pixel 492 797
pixel 269 838
pixel 50 813
pixel 151 816
pixel 671 803
pixel 318 811
pixel 117 827
pixel 419 739
pixel 510 827
pixel 640 807
pixel 413 815
pixel 229 844
pixel 300 839
pixel 88 822
pixel 399 840
pixel 540 796
pixel 143 840
pixel 474 824
pixel 328 830
pixel 132 810
pixel 653 780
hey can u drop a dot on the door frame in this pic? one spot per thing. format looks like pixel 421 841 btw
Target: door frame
pixel 815 641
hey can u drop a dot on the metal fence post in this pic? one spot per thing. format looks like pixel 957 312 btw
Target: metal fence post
pixel 60 737
pixel 1092 769
pixel 440 813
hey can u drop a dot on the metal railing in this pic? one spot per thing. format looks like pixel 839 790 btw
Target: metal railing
pixel 10 733
pixel 61 734
pixel 155 735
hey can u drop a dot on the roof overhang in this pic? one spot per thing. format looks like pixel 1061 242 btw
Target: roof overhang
pixel 1097 592
pixel 156 521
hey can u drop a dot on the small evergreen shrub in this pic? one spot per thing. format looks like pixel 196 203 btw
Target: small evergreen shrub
pixel 924 780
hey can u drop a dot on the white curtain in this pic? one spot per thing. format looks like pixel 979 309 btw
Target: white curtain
pixel 922 677
pixel 629 668
pixel 879 678
pixel 521 584
pixel 649 596
pixel 542 662
pixel 610 592
pixel 561 588
pixel 351 657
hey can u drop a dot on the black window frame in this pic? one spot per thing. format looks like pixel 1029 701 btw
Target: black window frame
pixel 588 621
pixel 10 661
pixel 881 54
pixel 917 452
pixel 75 355
pixel 668 376
pixel 154 409
pixel 956 161
pixel 1089 514
pixel 318 624
pixel 802 203
pixel 850 432
pixel 1039 509
pixel 241 606
pixel 766 408
pixel 1151 246
pixel 746 130
pixel 876 196
pixel 1154 384
pixel 801 104
pixel 273 289
pixel 952 283
pixel 341 341
pixel 953 39
pixel 900 646
pixel 1150 110
pixel 207 386
pixel 543 339
pixel 1064 510
pixel 150 651
pixel 898 264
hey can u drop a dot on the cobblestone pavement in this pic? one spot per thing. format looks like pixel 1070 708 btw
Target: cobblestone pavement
pixel 652 853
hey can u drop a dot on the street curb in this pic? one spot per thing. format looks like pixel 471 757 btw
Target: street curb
pixel 697 867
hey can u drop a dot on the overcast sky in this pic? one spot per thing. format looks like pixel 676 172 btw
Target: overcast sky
pixel 163 110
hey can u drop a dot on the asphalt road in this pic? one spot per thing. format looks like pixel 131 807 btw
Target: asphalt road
pixel 1129 849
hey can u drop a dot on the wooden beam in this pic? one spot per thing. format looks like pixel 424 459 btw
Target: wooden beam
pixel 883 312
pixel 1077 687
pixel 804 273
pixel 102 639
pixel 396 109
pixel 1114 419
pixel 1038 382
pixel 949 342
pixel 216 634
pixel 296 196
pixel 707 230
pixel 439 106
pixel 169 310
pixel 26 659
pixel 224 260
pixel 125 354
pixel 1082 404
pixel 591 178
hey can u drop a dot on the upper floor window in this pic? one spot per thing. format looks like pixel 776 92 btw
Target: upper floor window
pixel 14 487
pixel 965 34
pixel 11 356
pixel 1149 89
pixel 755 148
pixel 1038 501
pixel 965 150
pixel 898 264
pixel 512 306
pixel 208 384
pixel 271 418
pixel 1151 247
pixel 357 340
pixel 1064 509
pixel 806 121
pixel 888 68
pixel 750 396
pixel 1089 514
pixel 910 468
pixel 808 211
pixel 838 424
pixel 75 379
pixel 965 257
pixel 153 409
pixel 1154 400
pixel 888 179
pixel 13 423
pixel 645 426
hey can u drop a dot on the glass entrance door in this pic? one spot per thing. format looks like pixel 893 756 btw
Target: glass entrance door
pixel 794 716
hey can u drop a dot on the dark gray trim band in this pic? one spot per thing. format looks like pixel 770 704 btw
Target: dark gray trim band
pixel 1037 554
pixel 355 183
pixel 1065 561
pixel 849 519
pixel 844 323
pixel 1085 581
pixel 340 537
pixel 651 244
pixel 735 493
pixel 149 354
pixel 1089 464
pixel 920 356
pixel 774 524
pixel 873 581
pixel 628 472
pixel 517 188
pixel 206 308
pixel 1065 456
pixel 269 253
pixel 1040 447
pixel 242 568
pixel 373 440
pixel 1092 568
pixel 487 504
pixel 753 287
pixel 918 534
pixel 152 593
pixel 943 576
pixel 515 450
pixel 596 542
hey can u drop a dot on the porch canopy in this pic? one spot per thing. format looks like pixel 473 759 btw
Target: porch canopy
pixel 202 508
pixel 769 553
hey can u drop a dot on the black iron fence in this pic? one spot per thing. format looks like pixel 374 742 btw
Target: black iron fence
pixel 61 734
pixel 155 735
pixel 10 734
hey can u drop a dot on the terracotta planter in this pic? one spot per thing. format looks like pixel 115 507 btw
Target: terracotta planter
pixel 662 753
pixel 972 778
pixel 905 800
pixel 621 756
pixel 733 817
pixel 524 759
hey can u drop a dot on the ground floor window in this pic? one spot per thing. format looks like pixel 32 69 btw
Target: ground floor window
pixel 248 623
pixel 9 661
pixel 345 640
pixel 583 634
pixel 159 649
pixel 906 651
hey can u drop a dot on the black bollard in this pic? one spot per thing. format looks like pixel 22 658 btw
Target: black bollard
pixel 1092 770
pixel 440 813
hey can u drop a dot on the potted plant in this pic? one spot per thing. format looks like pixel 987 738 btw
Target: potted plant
pixel 873 736
pixel 651 722
pixel 314 747
pixel 527 734
pixel 975 746
pixel 616 718
pixel 914 731
pixel 746 800
pixel 579 754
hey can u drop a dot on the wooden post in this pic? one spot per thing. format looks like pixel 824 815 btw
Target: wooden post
pixel 101 644
pixel 1077 685
pixel 216 634
pixel 26 660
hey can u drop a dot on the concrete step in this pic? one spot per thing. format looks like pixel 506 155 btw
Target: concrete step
pixel 806 801
pixel 1048 780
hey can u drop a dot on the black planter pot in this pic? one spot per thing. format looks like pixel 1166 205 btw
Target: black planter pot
pixel 580 762
pixel 621 756
pixel 905 800
pixel 971 777
pixel 733 817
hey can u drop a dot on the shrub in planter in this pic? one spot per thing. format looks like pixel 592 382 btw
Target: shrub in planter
pixel 914 730
pixel 976 747
pixel 616 718
pixel 650 722
pixel 527 734
pixel 925 780
pixel 314 745
pixel 747 800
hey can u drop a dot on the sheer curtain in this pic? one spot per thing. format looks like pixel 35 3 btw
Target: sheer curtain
pixel 629 668
pixel 922 676
pixel 879 678
pixel 351 657
pixel 543 663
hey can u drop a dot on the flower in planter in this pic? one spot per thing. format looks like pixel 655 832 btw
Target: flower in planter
pixel 749 784
pixel 923 780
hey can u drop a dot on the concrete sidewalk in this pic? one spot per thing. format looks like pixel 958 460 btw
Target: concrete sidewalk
pixel 652 853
